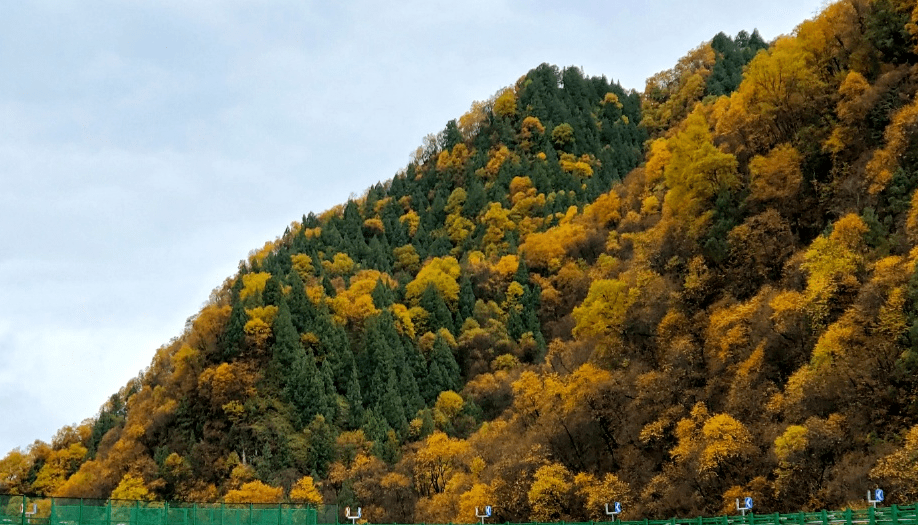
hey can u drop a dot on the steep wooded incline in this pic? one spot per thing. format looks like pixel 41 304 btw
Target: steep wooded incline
pixel 572 295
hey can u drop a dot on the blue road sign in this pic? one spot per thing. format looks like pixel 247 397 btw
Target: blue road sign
pixel 488 511
pixel 748 502
pixel 878 495
pixel 618 507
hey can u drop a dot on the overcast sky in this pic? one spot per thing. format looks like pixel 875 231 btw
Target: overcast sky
pixel 147 147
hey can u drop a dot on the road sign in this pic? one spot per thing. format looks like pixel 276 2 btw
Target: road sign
pixel 878 495
pixel 488 511
pixel 618 507
pixel 748 502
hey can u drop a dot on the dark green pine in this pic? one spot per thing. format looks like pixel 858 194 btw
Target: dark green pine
pixel 443 371
pixel 439 314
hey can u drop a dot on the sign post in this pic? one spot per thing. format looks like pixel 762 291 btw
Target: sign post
pixel 616 510
pixel 487 514
pixel 353 518
pixel 747 505
pixel 878 496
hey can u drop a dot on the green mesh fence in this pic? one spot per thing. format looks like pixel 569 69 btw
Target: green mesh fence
pixel 20 510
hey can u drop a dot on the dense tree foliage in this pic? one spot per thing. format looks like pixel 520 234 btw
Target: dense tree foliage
pixel 559 303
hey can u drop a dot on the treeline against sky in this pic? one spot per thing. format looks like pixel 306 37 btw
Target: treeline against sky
pixel 572 295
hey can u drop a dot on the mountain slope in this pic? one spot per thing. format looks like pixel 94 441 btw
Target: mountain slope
pixel 527 318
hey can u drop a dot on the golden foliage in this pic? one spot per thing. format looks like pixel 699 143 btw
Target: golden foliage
pixel 477 497
pixel 549 493
pixel 792 441
pixel 605 308
pixel 768 106
pixel 496 159
pixel 59 465
pixel 599 493
pixel 253 283
pixel 453 161
pixel 696 171
pixel 354 305
pixel 449 404
pixel 341 264
pixel 582 167
pixel 603 211
pixel 412 220
pixel 899 135
pixel 131 488
pixel 505 105
pixel 374 226
pixel 436 461
pixel 305 491
pixel 14 469
pixel 470 122
pixel 672 94
pixel 900 468
pixel 776 175
pixel 227 382
pixel 498 222
pixel 255 492
pixel 709 442
pixel 441 272
pixel 406 259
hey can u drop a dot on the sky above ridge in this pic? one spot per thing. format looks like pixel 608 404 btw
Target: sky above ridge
pixel 146 148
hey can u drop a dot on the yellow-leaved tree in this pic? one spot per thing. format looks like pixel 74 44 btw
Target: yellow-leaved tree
pixel 550 494
pixel 131 488
pixel 255 492
pixel 441 272
pixel 603 312
pixel 305 491
pixel 438 459
pixel 696 171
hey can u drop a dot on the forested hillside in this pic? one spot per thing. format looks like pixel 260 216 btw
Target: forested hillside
pixel 573 294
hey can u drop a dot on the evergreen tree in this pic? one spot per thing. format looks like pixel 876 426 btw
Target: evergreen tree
pixel 328 287
pixel 233 340
pixel 321 438
pixel 302 311
pixel 331 394
pixel 380 256
pixel 443 371
pixel 466 304
pixel 382 295
pixel 391 406
pixel 354 399
pixel 439 314
pixel 286 349
pixel 305 389
pixel 376 427
pixel 476 199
